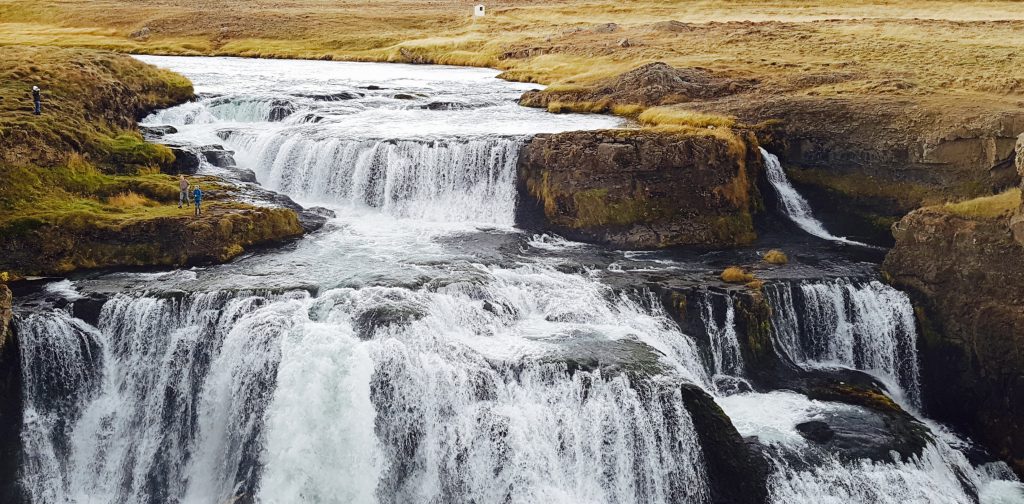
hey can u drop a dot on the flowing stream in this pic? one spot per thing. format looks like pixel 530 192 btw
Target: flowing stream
pixel 420 348
pixel 793 205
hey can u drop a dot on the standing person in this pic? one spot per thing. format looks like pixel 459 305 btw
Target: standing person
pixel 182 191
pixel 37 100
pixel 197 196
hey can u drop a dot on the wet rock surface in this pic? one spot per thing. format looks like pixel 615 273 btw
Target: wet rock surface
pixel 641 189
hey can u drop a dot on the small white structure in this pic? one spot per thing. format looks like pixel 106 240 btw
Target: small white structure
pixel 479 10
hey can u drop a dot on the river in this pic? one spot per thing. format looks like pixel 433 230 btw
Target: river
pixel 422 348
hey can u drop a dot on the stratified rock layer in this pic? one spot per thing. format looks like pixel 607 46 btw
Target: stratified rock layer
pixel 643 188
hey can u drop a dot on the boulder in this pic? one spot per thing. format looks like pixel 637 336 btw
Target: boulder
pixel 218 156
pixel 737 474
pixel 279 109
pixel 151 132
pixel 185 162
pixel 641 189
pixel 966 278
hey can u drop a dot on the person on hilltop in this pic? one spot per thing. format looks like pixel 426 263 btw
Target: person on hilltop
pixel 182 191
pixel 37 100
pixel 197 196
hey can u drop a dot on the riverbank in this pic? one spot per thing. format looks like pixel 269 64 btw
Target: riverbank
pixel 80 188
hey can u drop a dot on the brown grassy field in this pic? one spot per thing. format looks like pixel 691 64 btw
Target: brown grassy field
pixel 871 47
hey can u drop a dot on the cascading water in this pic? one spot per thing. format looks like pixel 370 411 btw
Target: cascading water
pixel 417 349
pixel 439 180
pixel 725 346
pixel 860 325
pixel 793 205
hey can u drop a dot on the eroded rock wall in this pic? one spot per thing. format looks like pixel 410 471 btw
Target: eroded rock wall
pixel 643 188
pixel 966 278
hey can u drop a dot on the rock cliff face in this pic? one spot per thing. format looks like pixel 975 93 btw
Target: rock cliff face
pixel 643 188
pixel 10 399
pixel 966 276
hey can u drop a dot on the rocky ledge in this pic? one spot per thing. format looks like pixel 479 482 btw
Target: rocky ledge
pixel 642 188
pixel 224 231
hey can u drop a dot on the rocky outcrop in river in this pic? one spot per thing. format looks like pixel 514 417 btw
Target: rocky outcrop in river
pixel 966 277
pixel 643 188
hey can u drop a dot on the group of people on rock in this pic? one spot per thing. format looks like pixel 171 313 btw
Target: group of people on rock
pixel 183 194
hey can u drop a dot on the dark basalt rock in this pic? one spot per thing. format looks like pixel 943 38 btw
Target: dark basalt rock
pixel 153 132
pixel 965 277
pixel 185 162
pixel 88 309
pixel 330 97
pixel 218 156
pixel 280 109
pixel 404 96
pixel 874 430
pixel 369 321
pixel 445 106
pixel 737 474
pixel 816 431
pixel 243 174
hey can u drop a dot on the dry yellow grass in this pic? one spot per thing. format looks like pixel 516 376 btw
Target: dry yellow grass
pixel 128 200
pixel 665 116
pixel 776 256
pixel 910 47
pixel 989 207
pixel 736 274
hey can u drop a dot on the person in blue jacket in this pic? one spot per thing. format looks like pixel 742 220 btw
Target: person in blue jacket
pixel 197 197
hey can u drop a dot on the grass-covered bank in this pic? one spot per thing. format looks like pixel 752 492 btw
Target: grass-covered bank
pixel 80 188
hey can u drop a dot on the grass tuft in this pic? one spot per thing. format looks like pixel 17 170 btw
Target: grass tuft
pixel 668 116
pixel 736 274
pixel 129 199
pixel 776 256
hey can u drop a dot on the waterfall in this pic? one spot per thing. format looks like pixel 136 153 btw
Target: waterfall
pixel 793 205
pixel 172 405
pixel 441 180
pixel 451 392
pixel 234 109
pixel 861 325
pixel 725 346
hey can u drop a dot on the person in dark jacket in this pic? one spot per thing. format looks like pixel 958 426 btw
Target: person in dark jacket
pixel 37 100
pixel 197 198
